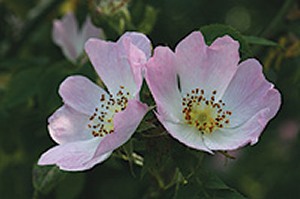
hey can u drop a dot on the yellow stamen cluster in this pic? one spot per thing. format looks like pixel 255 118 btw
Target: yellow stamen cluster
pixel 204 112
pixel 101 121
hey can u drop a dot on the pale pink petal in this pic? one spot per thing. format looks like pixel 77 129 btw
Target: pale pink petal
pixel 68 125
pixel 96 160
pixel 74 156
pixel 65 35
pixel 185 134
pixel 210 68
pixel 137 61
pixel 81 94
pixel 89 30
pixel 162 80
pixel 125 124
pixel 112 63
pixel 233 138
pixel 249 92
pixel 141 41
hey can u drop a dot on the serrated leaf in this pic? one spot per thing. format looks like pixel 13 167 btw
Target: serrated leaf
pixel 211 32
pixel 259 41
pixel 45 178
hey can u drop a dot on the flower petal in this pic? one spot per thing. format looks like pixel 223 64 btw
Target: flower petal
pixel 249 92
pixel 112 63
pixel 74 156
pixel 68 125
pixel 137 61
pixel 162 80
pixel 141 41
pixel 89 30
pixel 81 94
pixel 184 134
pixel 210 67
pixel 125 124
pixel 233 138
pixel 65 35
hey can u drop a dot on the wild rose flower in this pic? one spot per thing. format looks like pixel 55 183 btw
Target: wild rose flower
pixel 92 123
pixel 65 34
pixel 207 99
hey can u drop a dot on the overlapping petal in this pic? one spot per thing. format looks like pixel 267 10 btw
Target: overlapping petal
pixel 113 64
pixel 124 127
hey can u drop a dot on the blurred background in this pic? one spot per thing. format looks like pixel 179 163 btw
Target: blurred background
pixel 32 67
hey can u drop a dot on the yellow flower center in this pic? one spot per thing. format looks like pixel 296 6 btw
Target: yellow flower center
pixel 101 121
pixel 204 112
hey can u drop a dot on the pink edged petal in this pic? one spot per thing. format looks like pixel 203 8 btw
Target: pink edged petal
pixel 125 124
pixel 162 80
pixel 74 156
pixel 206 67
pixel 81 94
pixel 184 134
pixel 89 30
pixel 65 35
pixel 141 41
pixel 249 92
pixel 111 62
pixel 233 138
pixel 68 125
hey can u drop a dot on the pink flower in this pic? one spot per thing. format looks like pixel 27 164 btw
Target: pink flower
pixel 207 99
pixel 65 34
pixel 92 123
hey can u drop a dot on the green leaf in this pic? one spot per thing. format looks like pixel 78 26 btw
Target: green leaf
pixel 211 32
pixel 259 41
pixel 45 178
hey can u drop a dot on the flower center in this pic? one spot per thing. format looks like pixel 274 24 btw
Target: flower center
pixel 101 121
pixel 205 114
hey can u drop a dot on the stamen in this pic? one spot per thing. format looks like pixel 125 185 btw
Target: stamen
pixel 206 114
pixel 101 121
